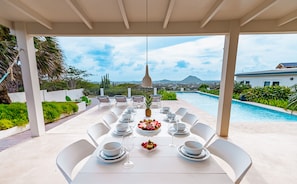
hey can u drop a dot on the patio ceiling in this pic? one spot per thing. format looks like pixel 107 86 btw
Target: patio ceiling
pixel 165 17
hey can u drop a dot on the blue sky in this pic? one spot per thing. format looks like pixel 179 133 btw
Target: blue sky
pixel 173 58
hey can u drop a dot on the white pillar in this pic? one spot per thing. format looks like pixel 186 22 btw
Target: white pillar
pixel 227 79
pixel 101 91
pixel 30 80
pixel 129 92
pixel 155 91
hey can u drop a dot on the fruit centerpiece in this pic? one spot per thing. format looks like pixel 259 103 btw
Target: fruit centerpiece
pixel 149 145
pixel 149 124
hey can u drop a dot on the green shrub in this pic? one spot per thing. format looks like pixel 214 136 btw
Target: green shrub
pixel 68 99
pixel 166 95
pixel 86 99
pixel 5 124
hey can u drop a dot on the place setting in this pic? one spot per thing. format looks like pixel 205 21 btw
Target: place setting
pixel 178 129
pixel 112 152
pixel 122 129
pixel 165 110
pixel 126 118
pixel 194 151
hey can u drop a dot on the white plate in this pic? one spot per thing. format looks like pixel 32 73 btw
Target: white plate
pixel 207 154
pixel 106 159
pixel 184 132
pixel 122 133
pixel 148 132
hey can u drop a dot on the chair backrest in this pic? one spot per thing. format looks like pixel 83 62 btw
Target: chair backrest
pixel 97 130
pixel 103 99
pixel 109 118
pixel 233 155
pixel 138 98
pixel 117 111
pixel 156 98
pixel 189 118
pixel 181 111
pixel 204 131
pixel 70 156
pixel 120 98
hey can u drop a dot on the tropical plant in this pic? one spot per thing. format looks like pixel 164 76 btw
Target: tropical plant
pixel 73 76
pixel 292 101
pixel 148 101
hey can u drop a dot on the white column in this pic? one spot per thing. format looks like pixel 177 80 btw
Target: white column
pixel 101 91
pixel 155 91
pixel 227 79
pixel 129 92
pixel 30 80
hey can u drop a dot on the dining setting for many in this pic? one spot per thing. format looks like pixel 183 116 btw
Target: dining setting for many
pixel 168 147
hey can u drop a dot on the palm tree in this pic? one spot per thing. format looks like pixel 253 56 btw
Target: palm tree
pixel 49 60
pixel 292 103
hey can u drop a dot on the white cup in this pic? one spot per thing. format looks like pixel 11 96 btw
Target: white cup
pixel 111 149
pixel 179 126
pixel 122 127
pixel 193 147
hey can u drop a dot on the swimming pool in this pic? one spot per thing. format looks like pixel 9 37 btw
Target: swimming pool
pixel 240 112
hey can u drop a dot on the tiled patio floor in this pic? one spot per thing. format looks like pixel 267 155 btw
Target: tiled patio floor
pixel 272 147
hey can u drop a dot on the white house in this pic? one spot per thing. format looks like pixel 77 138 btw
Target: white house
pixel 285 74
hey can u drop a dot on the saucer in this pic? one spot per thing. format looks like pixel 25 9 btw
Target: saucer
pixel 113 159
pixel 203 156
pixel 122 133
pixel 184 132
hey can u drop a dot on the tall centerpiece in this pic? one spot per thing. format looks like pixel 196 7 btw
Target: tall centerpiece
pixel 148 103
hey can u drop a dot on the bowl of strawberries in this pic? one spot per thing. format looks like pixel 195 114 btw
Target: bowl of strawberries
pixel 149 145
pixel 149 127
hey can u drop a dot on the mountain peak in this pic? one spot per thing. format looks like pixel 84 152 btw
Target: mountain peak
pixel 191 79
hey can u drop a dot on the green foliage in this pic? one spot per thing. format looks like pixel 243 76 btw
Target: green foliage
pixel 267 93
pixel 86 99
pixel 15 112
pixel 166 95
pixel 211 91
pixel 53 110
pixel 148 101
pixel 240 87
pixel 54 85
pixel 6 124
pixel 203 87
pixel 105 82
pixel 68 99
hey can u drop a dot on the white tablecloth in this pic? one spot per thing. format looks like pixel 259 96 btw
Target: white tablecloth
pixel 161 166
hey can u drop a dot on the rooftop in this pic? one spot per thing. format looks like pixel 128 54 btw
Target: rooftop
pixel 270 145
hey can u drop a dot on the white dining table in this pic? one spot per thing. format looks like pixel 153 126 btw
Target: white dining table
pixel 164 165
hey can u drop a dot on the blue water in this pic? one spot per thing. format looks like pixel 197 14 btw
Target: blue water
pixel 240 112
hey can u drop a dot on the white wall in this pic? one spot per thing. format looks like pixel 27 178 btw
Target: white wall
pixel 57 96
pixel 259 80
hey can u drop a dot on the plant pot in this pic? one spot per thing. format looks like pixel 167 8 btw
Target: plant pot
pixel 148 112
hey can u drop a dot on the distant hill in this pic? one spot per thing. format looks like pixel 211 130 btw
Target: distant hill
pixel 191 80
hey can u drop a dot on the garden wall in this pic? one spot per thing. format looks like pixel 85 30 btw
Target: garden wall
pixel 57 96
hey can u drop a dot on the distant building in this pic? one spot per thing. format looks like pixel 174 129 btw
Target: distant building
pixel 285 74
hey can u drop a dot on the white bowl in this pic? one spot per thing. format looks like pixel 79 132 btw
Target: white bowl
pixel 179 126
pixel 126 116
pixel 170 115
pixel 193 147
pixel 111 149
pixel 166 109
pixel 122 127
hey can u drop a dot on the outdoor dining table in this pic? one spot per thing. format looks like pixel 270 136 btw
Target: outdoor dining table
pixel 164 165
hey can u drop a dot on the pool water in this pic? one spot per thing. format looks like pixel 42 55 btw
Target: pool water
pixel 240 112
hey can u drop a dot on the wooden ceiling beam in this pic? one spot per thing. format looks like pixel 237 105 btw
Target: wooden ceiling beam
pixel 123 13
pixel 256 11
pixel 288 18
pixel 211 13
pixel 168 14
pixel 30 12
pixel 79 11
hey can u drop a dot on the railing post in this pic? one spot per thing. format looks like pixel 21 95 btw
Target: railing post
pixel 101 91
pixel 129 92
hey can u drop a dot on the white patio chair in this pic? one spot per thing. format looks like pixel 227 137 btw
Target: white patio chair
pixel 156 100
pixel 204 131
pixel 138 101
pixel 70 156
pixel 117 110
pixel 189 118
pixel 109 118
pixel 181 111
pixel 103 100
pixel 97 130
pixel 121 99
pixel 233 155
